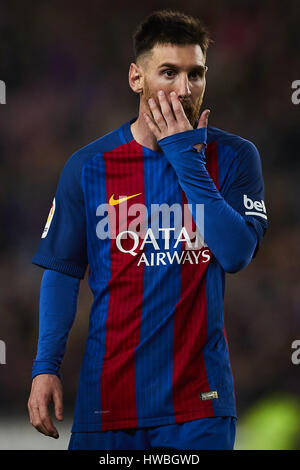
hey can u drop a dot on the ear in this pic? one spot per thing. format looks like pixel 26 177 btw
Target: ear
pixel 135 77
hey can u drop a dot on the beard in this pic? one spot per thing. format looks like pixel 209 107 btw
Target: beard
pixel 192 111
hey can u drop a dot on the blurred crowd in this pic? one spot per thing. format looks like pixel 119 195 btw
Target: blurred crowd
pixel 65 65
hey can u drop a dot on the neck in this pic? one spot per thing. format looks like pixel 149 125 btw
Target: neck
pixel 142 134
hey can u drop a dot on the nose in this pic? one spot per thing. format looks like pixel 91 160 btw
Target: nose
pixel 183 90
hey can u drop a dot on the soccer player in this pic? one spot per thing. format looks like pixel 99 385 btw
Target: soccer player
pixel 158 210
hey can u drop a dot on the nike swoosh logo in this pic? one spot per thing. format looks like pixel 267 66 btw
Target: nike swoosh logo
pixel 114 202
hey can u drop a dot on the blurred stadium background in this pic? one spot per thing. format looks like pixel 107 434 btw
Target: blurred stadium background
pixel 65 65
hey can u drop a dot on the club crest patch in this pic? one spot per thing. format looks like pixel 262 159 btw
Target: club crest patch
pixel 209 395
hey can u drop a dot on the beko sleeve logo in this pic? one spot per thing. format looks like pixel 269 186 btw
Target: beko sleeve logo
pixel 255 207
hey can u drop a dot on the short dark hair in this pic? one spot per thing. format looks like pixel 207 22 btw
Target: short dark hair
pixel 169 27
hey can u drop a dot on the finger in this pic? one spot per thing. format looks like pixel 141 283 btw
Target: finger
pixel 158 117
pixel 203 121
pixel 166 109
pixel 46 420
pixel 58 405
pixel 153 127
pixel 178 109
pixel 35 419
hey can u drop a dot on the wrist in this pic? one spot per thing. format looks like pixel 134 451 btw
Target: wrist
pixel 45 367
pixel 181 148
pixel 191 137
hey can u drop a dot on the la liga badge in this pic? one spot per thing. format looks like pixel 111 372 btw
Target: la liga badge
pixel 49 220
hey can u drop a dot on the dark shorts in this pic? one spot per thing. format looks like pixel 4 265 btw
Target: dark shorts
pixel 217 433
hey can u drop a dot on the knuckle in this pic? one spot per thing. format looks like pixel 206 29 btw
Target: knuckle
pixel 31 404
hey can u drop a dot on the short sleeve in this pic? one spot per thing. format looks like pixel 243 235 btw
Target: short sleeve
pixel 63 242
pixel 246 193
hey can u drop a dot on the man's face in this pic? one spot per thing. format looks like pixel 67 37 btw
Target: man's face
pixel 176 68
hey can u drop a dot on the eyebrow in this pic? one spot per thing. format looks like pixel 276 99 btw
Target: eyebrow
pixel 199 68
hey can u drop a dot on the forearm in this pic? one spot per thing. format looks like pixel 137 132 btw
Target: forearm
pixel 229 236
pixel 58 305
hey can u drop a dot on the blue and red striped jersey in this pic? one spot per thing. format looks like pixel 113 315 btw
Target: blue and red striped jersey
pixel 156 351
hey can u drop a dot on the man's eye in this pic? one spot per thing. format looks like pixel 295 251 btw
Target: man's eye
pixel 195 75
pixel 169 73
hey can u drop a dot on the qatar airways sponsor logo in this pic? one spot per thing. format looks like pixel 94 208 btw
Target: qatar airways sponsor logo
pixel 255 207
pixel 193 254
pixel 155 238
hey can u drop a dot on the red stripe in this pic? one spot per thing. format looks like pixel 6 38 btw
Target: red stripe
pixel 190 330
pixel 124 171
pixel 212 162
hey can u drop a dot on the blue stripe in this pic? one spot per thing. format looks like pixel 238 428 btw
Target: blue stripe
pixel 216 356
pixel 154 354
pixel 122 135
pixel 227 164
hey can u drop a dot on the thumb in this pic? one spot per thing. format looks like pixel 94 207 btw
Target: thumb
pixel 203 121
